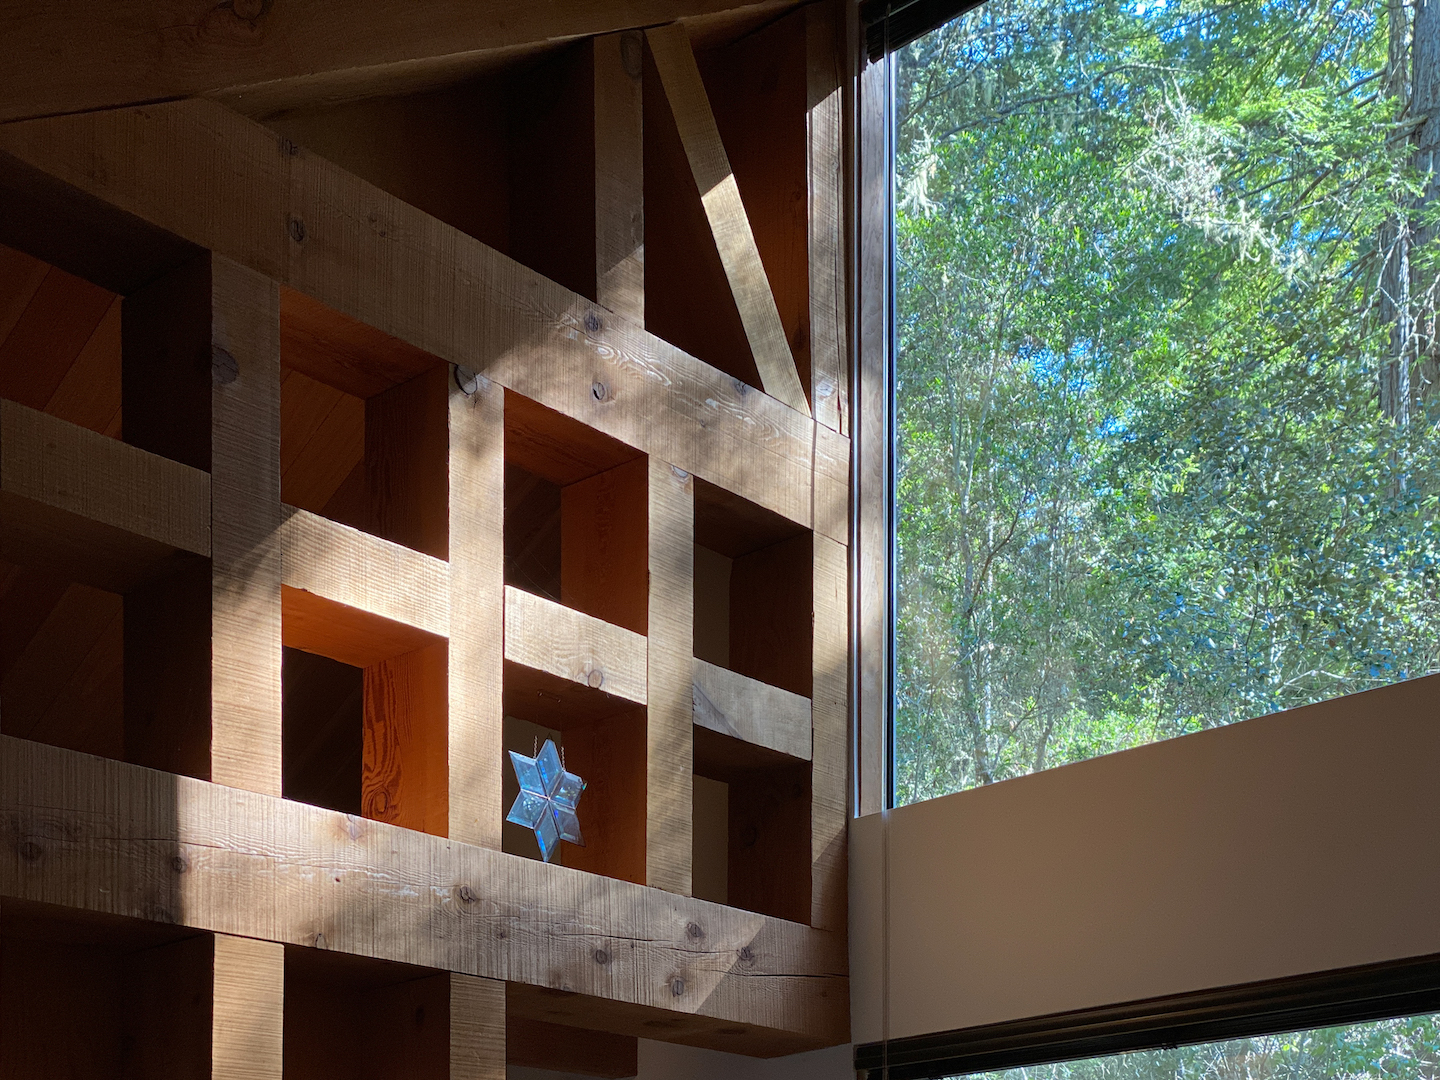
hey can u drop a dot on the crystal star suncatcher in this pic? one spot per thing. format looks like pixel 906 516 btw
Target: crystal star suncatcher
pixel 547 800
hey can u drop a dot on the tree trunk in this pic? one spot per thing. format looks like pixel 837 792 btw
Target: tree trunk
pixel 1395 236
pixel 1425 108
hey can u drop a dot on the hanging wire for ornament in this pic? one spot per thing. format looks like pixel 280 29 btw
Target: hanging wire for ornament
pixel 548 799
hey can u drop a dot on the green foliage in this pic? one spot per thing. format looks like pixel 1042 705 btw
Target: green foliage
pixel 1145 485
pixel 1404 1049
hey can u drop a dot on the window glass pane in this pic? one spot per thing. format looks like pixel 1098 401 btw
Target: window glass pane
pixel 1166 451
pixel 1404 1049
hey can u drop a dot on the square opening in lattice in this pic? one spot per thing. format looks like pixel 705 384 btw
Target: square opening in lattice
pixel 506 156
pixel 360 1018
pixel 129 358
pixel 104 654
pixel 576 515
pixel 364 427
pixel 754 580
pixel 89 995
pixel 751 827
pixel 602 740
pixel 365 716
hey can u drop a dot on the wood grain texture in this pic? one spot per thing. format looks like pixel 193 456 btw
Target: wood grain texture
pixel 477 1028
pixel 348 634
pixel 751 711
pixel 829 773
pixel 361 571
pixel 560 1048
pixel 84 474
pixel 670 709
pixel 670 45
pixel 322 439
pixel 404 778
pixel 609 751
pixel 550 637
pixel 825 140
pixel 477 626
pixel 248 563
pixel 113 55
pixel 249 1010
pixel 619 174
pixel 51 316
pixel 872 449
pixel 426 284
pixel 108 836
pixel 757 88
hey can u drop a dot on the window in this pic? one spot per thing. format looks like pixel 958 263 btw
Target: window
pixel 1403 1049
pixel 1166 442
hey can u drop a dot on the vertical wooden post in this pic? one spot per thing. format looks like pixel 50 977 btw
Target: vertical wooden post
pixel 477 1028
pixel 829 359
pixel 619 174
pixel 477 617
pixel 248 1034
pixel 670 710
pixel 247 562
pixel 829 722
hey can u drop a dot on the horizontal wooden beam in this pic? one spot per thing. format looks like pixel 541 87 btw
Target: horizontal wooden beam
pixel 361 571
pixel 751 711
pixel 104 836
pixel 550 637
pixel 94 508
pixel 424 282
pixel 94 54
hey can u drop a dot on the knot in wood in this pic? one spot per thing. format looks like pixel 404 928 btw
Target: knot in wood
pixel 296 228
pixel 467 381
pixel 467 894
pixel 677 986
pixel 30 851
pixel 599 391
pixel 595 679
pixel 602 957
pixel 693 931
pixel 592 322
pixel 250 10
pixel 630 53
pixel 746 954
pixel 224 368
pixel 178 864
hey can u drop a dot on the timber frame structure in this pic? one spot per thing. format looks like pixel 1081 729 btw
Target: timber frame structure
pixel 381 390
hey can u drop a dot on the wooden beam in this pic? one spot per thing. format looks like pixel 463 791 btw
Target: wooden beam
pixel 477 623
pixel 829 767
pixel 619 174
pixel 148 845
pixel 247 566
pixel 734 239
pixel 248 1041
pixel 550 637
pixel 361 571
pixel 90 478
pixel 477 1028
pixel 751 711
pixel 829 313
pixel 92 55
pixel 470 306
pixel 670 708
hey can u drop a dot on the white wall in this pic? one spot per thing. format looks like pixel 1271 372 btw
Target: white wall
pixel 1298 842
pixel 664 1061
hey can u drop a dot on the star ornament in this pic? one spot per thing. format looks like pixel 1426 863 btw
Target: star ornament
pixel 547 799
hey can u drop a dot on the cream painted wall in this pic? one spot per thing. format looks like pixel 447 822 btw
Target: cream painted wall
pixel 1298 842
